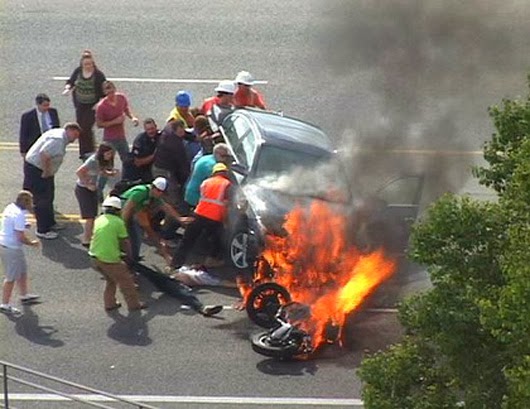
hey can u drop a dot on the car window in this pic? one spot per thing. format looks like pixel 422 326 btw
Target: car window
pixel 230 129
pixel 243 141
pixel 402 190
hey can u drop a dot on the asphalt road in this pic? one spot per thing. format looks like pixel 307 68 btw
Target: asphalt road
pixel 324 62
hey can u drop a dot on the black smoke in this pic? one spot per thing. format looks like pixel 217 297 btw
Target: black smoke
pixel 429 70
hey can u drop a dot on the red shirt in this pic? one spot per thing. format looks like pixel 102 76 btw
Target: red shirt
pixel 250 98
pixel 106 111
pixel 208 103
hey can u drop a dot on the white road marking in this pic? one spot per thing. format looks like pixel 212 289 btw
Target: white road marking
pixel 233 400
pixel 165 80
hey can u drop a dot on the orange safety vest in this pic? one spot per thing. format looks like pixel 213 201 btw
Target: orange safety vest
pixel 212 203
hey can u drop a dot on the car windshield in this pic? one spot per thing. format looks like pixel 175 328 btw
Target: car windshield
pixel 301 173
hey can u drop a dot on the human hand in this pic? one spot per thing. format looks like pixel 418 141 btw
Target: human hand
pixel 66 90
pixel 135 121
pixel 35 243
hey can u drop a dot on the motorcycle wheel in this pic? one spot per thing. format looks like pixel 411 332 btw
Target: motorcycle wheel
pixel 262 345
pixel 263 303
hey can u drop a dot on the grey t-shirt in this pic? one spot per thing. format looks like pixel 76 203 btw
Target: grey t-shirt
pixel 92 167
pixel 52 142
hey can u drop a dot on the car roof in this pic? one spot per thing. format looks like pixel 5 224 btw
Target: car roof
pixel 279 130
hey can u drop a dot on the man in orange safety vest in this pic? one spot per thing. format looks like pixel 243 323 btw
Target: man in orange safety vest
pixel 210 215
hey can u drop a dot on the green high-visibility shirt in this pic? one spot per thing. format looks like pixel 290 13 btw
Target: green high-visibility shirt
pixel 109 230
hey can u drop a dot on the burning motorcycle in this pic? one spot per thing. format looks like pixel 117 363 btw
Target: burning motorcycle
pixel 286 339
pixel 290 337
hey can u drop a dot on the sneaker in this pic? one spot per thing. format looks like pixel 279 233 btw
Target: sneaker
pixel 29 297
pixel 58 226
pixel 49 235
pixel 9 309
pixel 209 311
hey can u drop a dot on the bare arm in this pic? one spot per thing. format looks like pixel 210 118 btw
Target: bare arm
pixel 106 124
pixel 24 239
pixel 131 116
pixel 125 246
pixel 171 212
pixel 127 211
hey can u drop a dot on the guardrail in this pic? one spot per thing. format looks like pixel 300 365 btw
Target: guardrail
pixel 77 397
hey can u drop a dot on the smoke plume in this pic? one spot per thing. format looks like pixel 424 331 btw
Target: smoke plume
pixel 429 68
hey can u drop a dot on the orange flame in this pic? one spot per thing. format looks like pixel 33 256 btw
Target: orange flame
pixel 319 268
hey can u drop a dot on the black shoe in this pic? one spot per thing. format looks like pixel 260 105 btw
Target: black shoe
pixel 210 311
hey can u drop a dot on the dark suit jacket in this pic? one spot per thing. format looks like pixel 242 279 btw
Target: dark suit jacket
pixel 30 127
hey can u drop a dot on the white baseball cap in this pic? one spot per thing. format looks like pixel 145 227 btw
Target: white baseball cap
pixel 245 78
pixel 226 86
pixel 160 183
pixel 112 201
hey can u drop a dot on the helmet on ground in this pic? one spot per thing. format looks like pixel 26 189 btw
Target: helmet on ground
pixel 226 86
pixel 112 201
pixel 219 167
pixel 160 183
pixel 183 99
pixel 245 78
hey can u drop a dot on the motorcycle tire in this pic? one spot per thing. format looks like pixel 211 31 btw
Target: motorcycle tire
pixel 261 345
pixel 264 301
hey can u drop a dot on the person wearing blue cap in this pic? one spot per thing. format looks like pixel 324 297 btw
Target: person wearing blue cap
pixel 182 109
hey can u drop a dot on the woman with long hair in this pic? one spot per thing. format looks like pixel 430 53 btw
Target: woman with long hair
pixel 99 164
pixel 86 86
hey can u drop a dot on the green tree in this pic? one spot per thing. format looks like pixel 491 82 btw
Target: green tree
pixel 468 338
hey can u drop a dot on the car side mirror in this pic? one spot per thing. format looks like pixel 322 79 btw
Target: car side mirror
pixel 238 168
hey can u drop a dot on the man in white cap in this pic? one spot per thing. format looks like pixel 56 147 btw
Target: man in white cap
pixel 246 95
pixel 140 202
pixel 223 98
pixel 108 241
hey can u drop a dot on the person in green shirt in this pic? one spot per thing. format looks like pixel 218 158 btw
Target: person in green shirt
pixel 109 239
pixel 139 202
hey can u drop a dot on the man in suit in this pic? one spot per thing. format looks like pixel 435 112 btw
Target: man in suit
pixel 33 124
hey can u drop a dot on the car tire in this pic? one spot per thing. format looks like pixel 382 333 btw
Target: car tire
pixel 241 250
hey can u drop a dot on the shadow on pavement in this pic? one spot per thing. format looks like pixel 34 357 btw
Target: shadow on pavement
pixel 27 326
pixel 287 368
pixel 67 249
pixel 131 329
pixel 241 328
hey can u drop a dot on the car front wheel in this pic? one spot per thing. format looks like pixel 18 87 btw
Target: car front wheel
pixel 239 249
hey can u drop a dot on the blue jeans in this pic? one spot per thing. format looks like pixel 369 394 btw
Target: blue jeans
pixel 135 236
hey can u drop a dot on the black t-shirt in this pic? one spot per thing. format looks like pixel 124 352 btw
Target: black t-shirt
pixel 143 146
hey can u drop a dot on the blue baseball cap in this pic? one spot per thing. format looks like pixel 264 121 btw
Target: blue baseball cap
pixel 183 99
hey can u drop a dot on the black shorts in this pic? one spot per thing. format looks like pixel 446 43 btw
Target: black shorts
pixel 88 202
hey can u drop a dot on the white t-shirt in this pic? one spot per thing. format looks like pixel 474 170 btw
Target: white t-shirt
pixel 14 220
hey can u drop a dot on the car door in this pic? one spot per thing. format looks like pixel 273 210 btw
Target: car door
pixel 402 197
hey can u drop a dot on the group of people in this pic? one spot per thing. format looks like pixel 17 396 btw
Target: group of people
pixel 177 176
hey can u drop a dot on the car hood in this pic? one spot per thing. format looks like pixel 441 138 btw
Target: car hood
pixel 271 206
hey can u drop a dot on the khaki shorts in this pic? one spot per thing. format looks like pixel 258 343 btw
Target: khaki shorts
pixel 14 262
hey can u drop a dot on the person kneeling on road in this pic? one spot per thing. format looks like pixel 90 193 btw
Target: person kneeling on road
pixel 108 241
pixel 139 203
